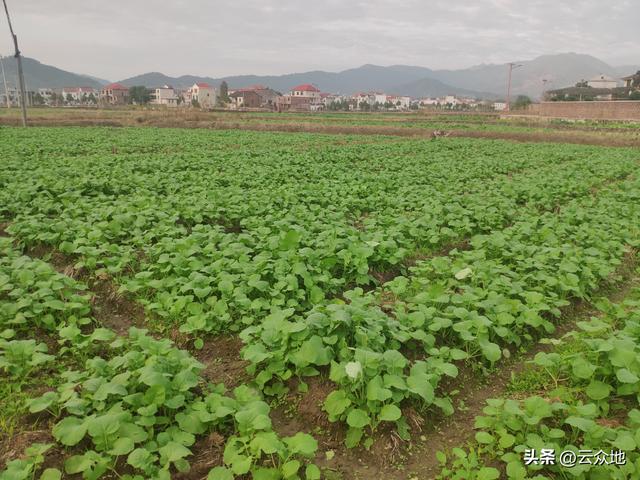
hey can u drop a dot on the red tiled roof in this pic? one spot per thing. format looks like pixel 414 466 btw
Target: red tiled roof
pixel 203 85
pixel 307 87
pixel 115 86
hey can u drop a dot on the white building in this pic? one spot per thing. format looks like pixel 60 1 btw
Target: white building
pixel 363 98
pixel 499 106
pixel 380 98
pixel 46 94
pixel 12 96
pixel 602 81
pixel 405 102
pixel 399 102
pixel 203 93
pixel 78 94
pixel 306 91
pixel 164 95
pixel 429 102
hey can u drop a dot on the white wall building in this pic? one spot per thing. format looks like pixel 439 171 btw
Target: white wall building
pixel 306 91
pixel 602 81
pixel 164 95
pixel 78 94
pixel 380 98
pixel 204 94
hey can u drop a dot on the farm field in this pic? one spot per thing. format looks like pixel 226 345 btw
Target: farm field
pixel 193 303
pixel 416 124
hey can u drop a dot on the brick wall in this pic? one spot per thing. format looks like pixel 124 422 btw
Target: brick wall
pixel 616 110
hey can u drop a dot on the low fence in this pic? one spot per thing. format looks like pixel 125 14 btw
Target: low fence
pixel 597 110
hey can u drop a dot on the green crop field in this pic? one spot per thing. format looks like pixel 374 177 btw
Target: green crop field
pixel 232 304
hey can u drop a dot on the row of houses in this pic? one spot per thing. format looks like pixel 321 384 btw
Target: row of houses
pixel 301 98
pixel 201 94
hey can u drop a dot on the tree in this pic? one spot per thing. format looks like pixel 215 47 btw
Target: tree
pixel 69 98
pixel 139 94
pixel 224 92
pixel 521 102
pixel 38 99
pixel 195 103
pixel 92 99
pixel 635 95
pixel 582 84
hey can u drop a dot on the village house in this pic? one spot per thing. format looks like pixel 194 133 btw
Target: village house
pixel 164 95
pixel 367 100
pixel 306 91
pixel 329 99
pixel 428 102
pixel 363 99
pixel 114 94
pixel 632 81
pixel 10 97
pixel 257 96
pixel 302 98
pixel 380 98
pixel 202 94
pixel 77 95
pixel 499 106
pixel 45 94
pixel 602 81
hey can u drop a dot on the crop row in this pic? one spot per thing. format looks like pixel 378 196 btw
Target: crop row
pixel 589 406
pixel 471 304
pixel 219 236
pixel 130 404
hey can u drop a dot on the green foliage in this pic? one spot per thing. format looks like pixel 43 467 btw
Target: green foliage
pixel 26 467
pixel 593 368
pixel 139 94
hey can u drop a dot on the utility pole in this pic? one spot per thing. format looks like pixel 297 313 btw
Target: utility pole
pixel 23 102
pixel 4 80
pixel 544 88
pixel 512 66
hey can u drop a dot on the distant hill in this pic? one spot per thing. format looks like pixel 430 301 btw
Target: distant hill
pixel 38 75
pixel 429 87
pixel 364 78
pixel 101 81
pixel 397 79
pixel 483 81
pixel 562 70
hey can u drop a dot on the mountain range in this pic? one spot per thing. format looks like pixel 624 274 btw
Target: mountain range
pixel 483 81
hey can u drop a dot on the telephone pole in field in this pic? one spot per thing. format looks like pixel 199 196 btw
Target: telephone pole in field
pixel 512 67
pixel 23 99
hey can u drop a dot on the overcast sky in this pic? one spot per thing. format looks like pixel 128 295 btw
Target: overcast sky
pixel 115 39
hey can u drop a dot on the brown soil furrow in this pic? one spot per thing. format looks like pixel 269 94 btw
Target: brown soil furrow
pixel 110 308
pixel 393 459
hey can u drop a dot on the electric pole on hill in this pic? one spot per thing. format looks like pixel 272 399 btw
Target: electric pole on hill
pixel 23 100
pixel 512 66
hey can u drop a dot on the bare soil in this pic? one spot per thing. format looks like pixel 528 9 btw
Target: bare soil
pixel 121 118
pixel 223 364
